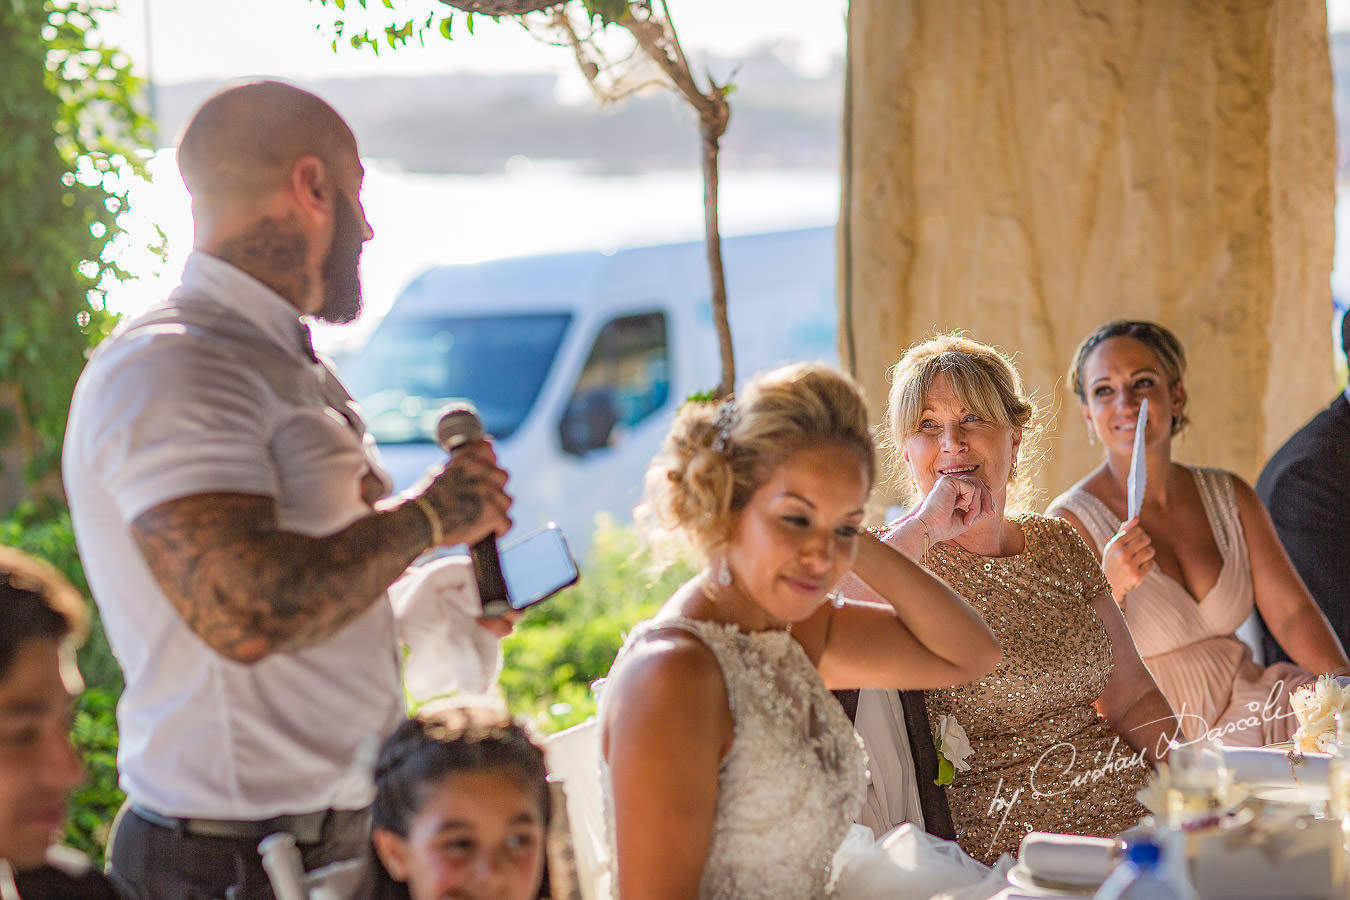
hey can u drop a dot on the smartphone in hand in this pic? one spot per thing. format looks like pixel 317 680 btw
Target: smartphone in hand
pixel 535 568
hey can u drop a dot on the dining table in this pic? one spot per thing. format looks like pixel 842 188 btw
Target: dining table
pixel 1279 836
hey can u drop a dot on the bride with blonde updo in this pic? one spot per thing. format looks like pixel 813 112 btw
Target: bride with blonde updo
pixel 729 769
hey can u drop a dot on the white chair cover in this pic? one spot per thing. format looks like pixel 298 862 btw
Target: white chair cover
pixel 573 757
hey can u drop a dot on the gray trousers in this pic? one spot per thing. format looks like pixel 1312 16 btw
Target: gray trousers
pixel 154 861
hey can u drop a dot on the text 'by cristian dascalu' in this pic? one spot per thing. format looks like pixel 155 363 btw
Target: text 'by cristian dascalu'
pixel 1056 772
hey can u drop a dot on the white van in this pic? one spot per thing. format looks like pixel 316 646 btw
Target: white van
pixel 578 361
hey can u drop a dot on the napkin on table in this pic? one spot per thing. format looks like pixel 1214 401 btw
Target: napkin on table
pixel 1067 858
pixel 1271 766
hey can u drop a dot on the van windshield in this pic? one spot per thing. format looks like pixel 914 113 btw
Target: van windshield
pixel 410 370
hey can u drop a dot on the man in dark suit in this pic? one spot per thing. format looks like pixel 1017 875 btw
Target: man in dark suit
pixel 1306 488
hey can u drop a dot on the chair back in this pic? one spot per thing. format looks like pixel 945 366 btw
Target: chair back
pixel 573 758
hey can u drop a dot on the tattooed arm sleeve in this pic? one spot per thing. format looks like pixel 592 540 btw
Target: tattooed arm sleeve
pixel 249 589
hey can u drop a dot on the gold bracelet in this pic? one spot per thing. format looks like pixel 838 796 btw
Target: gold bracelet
pixel 924 526
pixel 437 533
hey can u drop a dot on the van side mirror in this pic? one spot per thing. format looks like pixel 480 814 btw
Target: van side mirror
pixel 588 422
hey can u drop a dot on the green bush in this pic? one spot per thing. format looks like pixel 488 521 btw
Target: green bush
pixel 565 643
pixel 94 805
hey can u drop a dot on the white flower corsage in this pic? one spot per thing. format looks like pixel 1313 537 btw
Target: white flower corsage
pixel 953 748
pixel 1316 705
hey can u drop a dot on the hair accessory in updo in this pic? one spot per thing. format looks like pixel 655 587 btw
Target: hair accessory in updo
pixel 728 417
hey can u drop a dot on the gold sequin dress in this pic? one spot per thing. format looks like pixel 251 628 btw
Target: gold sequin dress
pixel 1044 760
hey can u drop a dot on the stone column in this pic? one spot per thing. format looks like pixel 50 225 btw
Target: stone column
pixel 1028 169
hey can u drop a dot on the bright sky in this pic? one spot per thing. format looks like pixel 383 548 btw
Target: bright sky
pixel 205 39
pixel 1338 15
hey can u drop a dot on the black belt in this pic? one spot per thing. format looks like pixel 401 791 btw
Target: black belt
pixel 307 828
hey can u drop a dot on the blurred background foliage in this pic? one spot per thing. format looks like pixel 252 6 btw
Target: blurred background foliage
pixel 74 138
pixel 564 644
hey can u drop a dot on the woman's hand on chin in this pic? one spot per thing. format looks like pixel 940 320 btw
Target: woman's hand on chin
pixel 953 505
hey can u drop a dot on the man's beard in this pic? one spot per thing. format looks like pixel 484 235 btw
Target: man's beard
pixel 342 267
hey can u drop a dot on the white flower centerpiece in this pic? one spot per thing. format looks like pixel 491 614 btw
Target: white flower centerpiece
pixel 1316 707
pixel 953 747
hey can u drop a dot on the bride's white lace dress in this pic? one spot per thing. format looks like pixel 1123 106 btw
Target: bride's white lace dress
pixel 794 777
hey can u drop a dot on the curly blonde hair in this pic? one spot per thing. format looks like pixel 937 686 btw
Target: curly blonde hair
pixel 717 455
pixel 985 381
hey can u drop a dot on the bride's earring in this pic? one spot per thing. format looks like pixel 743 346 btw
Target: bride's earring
pixel 1092 436
pixel 723 573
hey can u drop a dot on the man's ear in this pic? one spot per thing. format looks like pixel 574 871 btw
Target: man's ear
pixel 392 851
pixel 310 185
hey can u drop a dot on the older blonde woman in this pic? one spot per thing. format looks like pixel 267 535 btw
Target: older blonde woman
pixel 1062 731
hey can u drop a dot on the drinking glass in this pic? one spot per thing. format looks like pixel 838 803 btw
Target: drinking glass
pixel 1198 785
pixel 1338 773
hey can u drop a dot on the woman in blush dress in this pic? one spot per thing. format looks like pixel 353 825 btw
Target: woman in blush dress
pixel 1063 730
pixel 1187 570
pixel 729 770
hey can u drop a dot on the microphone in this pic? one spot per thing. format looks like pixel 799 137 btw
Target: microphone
pixel 460 425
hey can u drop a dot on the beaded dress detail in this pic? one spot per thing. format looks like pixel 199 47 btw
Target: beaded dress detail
pixel 1044 760
pixel 794 778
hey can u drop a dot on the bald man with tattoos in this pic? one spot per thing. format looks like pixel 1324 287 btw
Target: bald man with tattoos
pixel 235 523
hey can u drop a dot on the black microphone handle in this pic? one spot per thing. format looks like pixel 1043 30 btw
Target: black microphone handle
pixel 487 571
pixel 457 426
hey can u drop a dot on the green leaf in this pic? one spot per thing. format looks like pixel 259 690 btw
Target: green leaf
pixel 608 12
pixel 445 28
pixel 468 23
pixel 946 772
pixel 708 396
